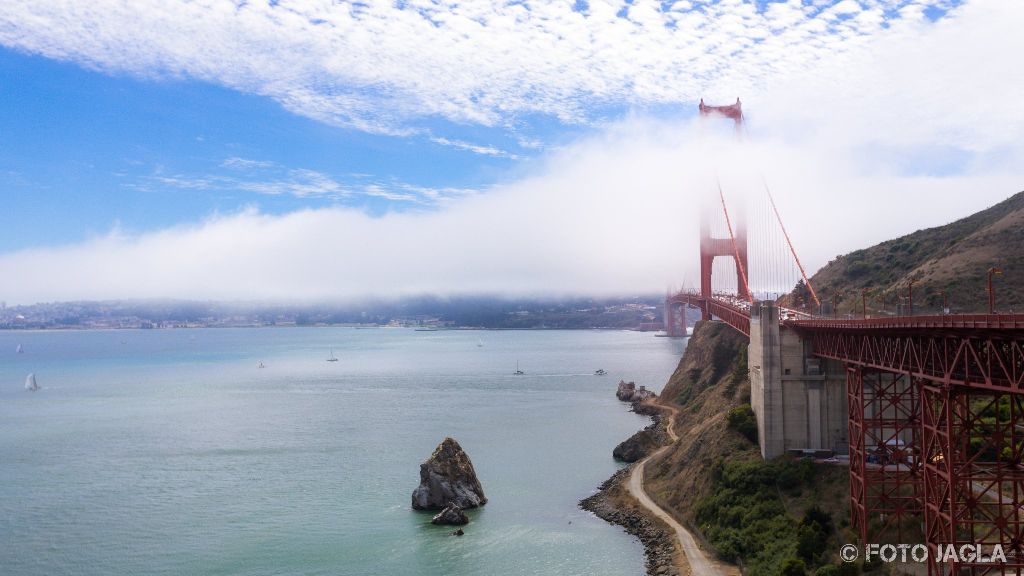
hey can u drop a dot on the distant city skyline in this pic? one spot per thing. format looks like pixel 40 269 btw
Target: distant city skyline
pixel 298 151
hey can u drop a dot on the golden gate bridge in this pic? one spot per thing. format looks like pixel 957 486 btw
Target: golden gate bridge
pixel 933 403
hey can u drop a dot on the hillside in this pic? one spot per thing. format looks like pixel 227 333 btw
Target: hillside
pixel 953 259
pixel 779 517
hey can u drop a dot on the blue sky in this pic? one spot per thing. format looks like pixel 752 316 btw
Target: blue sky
pixel 83 151
pixel 124 126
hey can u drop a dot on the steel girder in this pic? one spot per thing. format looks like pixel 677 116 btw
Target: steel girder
pixel 980 359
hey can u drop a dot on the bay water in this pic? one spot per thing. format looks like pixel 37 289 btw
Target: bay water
pixel 167 452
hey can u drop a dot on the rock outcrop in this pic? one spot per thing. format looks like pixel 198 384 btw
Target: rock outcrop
pixel 630 392
pixel 636 447
pixel 646 441
pixel 625 391
pixel 448 477
pixel 451 515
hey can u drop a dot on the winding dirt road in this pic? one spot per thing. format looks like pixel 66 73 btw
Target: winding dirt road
pixel 699 563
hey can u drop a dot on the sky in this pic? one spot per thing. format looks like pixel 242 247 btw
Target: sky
pixel 313 150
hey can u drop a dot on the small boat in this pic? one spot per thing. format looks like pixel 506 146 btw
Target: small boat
pixel 261 365
pixel 479 343
pixel 30 383
pixel 332 357
pixel 20 349
pixel 599 372
pixel 518 372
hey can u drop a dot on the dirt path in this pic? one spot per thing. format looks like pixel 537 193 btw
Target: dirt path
pixel 699 563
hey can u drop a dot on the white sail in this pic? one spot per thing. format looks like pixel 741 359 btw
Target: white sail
pixel 30 383
pixel 20 349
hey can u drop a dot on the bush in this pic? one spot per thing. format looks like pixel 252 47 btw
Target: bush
pixel 742 420
pixel 811 541
pixel 793 567
pixel 857 269
pixel 745 519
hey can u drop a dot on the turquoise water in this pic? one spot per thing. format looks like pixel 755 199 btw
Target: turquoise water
pixel 170 452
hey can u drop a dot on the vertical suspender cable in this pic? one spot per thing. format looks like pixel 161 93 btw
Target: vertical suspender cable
pixel 788 242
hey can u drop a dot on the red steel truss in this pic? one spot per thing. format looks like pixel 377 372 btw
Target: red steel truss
pixel 885 450
pixel 987 355
pixel 936 424
pixel 972 475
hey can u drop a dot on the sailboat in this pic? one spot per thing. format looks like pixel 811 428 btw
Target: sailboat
pixel 260 365
pixel 20 349
pixel 30 383
pixel 479 343
pixel 332 357
pixel 518 372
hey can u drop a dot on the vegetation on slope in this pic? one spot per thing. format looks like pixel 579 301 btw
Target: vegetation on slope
pixel 951 260
pixel 780 517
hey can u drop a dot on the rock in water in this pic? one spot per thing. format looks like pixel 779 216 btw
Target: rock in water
pixel 447 477
pixel 452 515
pixel 625 391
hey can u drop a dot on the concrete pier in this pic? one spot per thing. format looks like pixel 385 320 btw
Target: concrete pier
pixel 799 401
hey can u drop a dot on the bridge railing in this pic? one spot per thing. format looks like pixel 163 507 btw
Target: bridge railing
pixel 950 321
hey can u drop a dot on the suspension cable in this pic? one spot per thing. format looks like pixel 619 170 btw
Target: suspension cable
pixel 735 249
pixel 790 243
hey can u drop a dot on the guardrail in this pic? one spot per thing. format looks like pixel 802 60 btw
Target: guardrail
pixel 946 321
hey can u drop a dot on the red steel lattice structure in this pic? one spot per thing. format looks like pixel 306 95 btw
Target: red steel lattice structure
pixel 936 432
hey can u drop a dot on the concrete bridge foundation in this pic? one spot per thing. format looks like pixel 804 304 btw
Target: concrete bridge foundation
pixel 800 401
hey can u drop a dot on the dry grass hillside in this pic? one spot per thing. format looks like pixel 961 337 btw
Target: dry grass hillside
pixel 779 517
pixel 953 259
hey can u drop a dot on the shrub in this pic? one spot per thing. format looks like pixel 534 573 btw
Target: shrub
pixel 742 420
pixel 793 567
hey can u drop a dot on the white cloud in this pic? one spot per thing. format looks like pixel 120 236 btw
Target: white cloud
pixel 245 163
pixel 475 148
pixel 273 179
pixel 616 213
pixel 866 126
pixel 384 66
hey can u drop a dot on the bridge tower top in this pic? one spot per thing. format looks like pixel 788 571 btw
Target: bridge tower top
pixel 732 111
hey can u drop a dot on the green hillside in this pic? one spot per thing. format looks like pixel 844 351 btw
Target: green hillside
pixel 951 259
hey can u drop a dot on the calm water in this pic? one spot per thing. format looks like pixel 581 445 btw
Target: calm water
pixel 170 452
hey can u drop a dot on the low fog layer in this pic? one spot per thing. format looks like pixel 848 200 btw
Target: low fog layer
pixel 614 214
pixel 917 127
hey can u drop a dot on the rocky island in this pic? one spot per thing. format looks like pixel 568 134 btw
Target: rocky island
pixel 448 482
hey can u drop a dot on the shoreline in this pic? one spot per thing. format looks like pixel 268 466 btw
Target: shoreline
pixel 613 504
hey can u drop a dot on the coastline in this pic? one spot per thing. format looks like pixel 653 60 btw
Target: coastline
pixel 613 504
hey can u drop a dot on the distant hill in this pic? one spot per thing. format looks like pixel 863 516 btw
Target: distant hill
pixel 953 259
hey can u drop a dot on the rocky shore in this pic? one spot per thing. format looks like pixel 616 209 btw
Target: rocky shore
pixel 613 504
pixel 644 442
